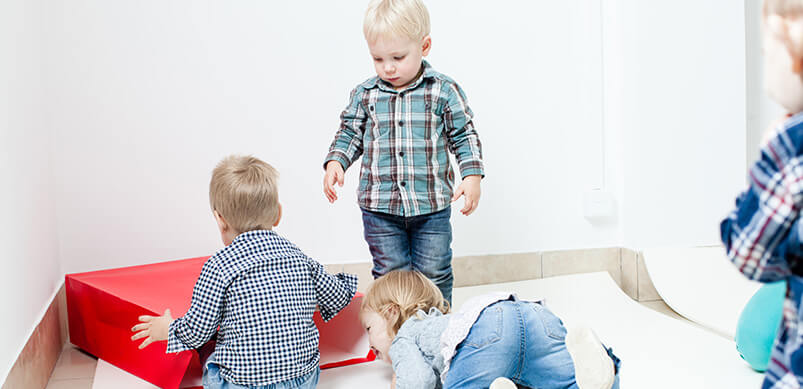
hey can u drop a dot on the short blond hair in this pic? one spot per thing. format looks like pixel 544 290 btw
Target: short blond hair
pixel 244 191
pixel 783 8
pixel 396 18
pixel 399 295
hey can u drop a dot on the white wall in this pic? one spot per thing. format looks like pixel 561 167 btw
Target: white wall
pixel 675 116
pixel 136 102
pixel 150 95
pixel 31 273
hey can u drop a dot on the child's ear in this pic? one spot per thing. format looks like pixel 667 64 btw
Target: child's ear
pixel 794 29
pixel 426 45
pixel 278 216
pixel 391 313
pixel 790 32
pixel 221 222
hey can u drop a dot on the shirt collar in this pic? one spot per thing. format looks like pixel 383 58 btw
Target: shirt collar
pixel 253 234
pixel 377 82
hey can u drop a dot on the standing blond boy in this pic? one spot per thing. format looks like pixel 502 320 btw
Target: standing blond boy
pixel 403 122
pixel 763 235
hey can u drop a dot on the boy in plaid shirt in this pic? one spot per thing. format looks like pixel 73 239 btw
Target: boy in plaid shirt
pixel 764 234
pixel 403 122
pixel 258 294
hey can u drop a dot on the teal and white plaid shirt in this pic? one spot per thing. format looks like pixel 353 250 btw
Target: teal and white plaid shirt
pixel 403 137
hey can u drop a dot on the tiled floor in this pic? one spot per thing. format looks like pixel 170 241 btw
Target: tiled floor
pixel 76 369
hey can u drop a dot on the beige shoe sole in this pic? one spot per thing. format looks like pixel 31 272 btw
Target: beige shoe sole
pixel 502 383
pixel 593 368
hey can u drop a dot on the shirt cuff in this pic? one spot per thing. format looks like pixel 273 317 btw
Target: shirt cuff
pixel 174 343
pixel 349 282
pixel 339 156
pixel 472 168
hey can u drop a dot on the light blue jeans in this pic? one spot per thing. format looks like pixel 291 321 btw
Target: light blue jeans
pixel 213 380
pixel 520 340
pixel 422 243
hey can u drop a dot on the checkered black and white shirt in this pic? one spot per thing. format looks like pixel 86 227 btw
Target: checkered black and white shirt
pixel 261 291
pixel 764 239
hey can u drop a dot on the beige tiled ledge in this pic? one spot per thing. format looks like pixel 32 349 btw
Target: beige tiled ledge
pixel 625 266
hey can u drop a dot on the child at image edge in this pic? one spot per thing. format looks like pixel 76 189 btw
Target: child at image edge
pixel 764 235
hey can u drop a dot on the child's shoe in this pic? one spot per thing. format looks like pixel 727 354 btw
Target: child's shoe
pixel 502 383
pixel 593 367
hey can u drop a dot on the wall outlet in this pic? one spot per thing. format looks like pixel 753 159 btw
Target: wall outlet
pixel 598 205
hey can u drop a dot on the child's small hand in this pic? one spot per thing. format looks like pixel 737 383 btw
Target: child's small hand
pixel 334 174
pixel 470 187
pixel 153 328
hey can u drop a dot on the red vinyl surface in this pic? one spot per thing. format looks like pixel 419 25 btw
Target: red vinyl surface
pixel 103 305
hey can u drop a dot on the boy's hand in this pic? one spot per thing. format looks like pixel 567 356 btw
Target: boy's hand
pixel 153 328
pixel 334 174
pixel 470 187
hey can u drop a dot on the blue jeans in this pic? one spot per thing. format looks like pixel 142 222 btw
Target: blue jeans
pixel 421 243
pixel 213 380
pixel 520 340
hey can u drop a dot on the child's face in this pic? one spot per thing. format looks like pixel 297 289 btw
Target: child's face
pixel 782 61
pixel 398 60
pixel 378 334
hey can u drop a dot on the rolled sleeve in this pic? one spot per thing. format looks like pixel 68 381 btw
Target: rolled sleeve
pixel 347 145
pixel 464 142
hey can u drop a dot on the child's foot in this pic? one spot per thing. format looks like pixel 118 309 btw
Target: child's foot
pixel 593 368
pixel 502 383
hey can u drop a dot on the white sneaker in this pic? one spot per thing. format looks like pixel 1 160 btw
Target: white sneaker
pixel 593 368
pixel 502 383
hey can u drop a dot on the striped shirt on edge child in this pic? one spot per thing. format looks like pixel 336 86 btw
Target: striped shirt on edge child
pixel 763 238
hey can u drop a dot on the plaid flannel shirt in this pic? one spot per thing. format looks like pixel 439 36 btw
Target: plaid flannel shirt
pixel 261 291
pixel 763 239
pixel 404 138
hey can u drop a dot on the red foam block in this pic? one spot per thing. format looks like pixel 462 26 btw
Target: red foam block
pixel 102 307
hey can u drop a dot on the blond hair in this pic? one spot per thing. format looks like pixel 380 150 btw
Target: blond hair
pixel 399 295
pixel 396 18
pixel 783 8
pixel 243 190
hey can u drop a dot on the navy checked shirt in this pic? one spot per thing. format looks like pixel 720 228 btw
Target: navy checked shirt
pixel 763 238
pixel 404 138
pixel 261 291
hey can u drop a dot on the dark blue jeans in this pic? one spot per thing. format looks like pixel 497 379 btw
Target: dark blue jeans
pixel 422 243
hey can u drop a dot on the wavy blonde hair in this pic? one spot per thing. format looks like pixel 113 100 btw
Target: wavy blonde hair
pixel 396 18
pixel 244 190
pixel 399 295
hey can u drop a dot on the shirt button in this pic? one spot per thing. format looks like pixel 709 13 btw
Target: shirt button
pixel 403 183
pixel 371 108
pixel 401 94
pixel 401 123
pixel 401 153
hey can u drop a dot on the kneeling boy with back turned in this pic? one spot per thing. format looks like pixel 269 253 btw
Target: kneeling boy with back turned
pixel 258 294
